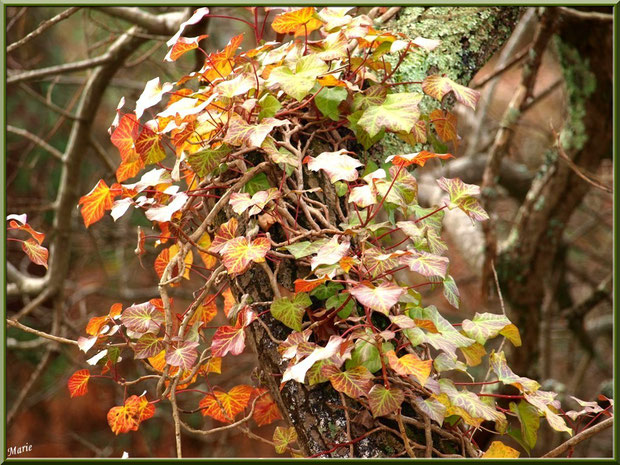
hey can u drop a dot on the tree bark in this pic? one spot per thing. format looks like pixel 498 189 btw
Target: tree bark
pixel 469 37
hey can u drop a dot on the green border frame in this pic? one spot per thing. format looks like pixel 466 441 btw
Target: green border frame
pixel 3 120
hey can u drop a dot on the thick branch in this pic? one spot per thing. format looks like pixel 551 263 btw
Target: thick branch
pixel 572 442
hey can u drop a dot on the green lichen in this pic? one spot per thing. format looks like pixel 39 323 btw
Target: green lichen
pixel 580 84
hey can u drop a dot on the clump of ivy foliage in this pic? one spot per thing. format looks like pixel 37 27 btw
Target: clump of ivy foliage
pixel 275 139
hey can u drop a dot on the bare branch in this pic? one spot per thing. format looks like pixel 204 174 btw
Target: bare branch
pixel 585 15
pixel 155 24
pixel 15 77
pixel 51 337
pixel 42 27
pixel 36 139
pixel 586 434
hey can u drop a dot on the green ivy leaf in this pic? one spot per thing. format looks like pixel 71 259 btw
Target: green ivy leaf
pixel 384 401
pixel 291 312
pixel 327 290
pixel 529 418
pixel 398 113
pixel 328 100
pixel 451 292
pixel 260 182
pixel 206 161
pixel 298 82
pixel 269 106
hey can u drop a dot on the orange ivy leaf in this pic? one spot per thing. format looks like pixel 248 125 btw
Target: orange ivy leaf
pixel 97 201
pixel 307 285
pixel 299 22
pixel 410 364
pixel 205 312
pixel 228 339
pixel 229 301
pixel 355 382
pixel 164 257
pixel 36 253
pixel 225 406
pixel 208 259
pixel 125 134
pixel 419 158
pixel 148 146
pixel 144 408
pixel 438 86
pixel 213 365
pixel 225 233
pixel 128 417
pixel 182 46
pixel 265 410
pixel 445 125
pixel 78 383
pixel 38 236
pixel 129 167
pixel 380 298
pixel 240 252
pixel 95 324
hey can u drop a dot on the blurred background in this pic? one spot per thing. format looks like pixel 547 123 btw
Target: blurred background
pixel 104 270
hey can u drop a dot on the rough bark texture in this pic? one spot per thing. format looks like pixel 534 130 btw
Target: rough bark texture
pixel 470 36
pixel 529 255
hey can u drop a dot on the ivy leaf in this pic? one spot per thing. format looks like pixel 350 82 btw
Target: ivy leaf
pixel 206 161
pixel 282 437
pixel 445 125
pixel 239 253
pixel 78 383
pixel 97 201
pixel 152 94
pixel 529 418
pixel 380 298
pixel 260 182
pixel 205 243
pixel 355 382
pixel 228 339
pixel 225 406
pixel 485 326
pixel 164 257
pixel 225 233
pixel 238 85
pixel 298 371
pixel 240 202
pixel 330 253
pixel 384 401
pixel 148 146
pixel 164 213
pixel 142 318
pixel 497 361
pixel 125 135
pixel 328 100
pixel 265 410
pixel 183 355
pixel 123 419
pixel 304 248
pixel 291 312
pixel 14 221
pixel 451 292
pixel 241 133
pixel 438 86
pixel 205 311
pixel 363 196
pixel 373 96
pixel 473 354
pixel 541 400
pixel 36 253
pixel 307 285
pixel 432 407
pixel 269 106
pixel 511 332
pixel 299 22
pixel 498 450
pixel 298 82
pixel 461 197
pixel 426 264
pixel 398 113
pixel 360 133
pixel 419 158
pixel 339 167
pixel 148 346
pixel 410 364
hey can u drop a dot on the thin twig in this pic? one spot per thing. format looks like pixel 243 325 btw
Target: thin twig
pixel 36 139
pixel 51 337
pixel 586 434
pixel 42 27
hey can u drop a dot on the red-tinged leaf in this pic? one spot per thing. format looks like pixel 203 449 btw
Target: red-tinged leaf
pixel 363 196
pixel 183 355
pixel 307 285
pixel 149 147
pixel 438 86
pixel 498 450
pixel 398 113
pixel 445 125
pixel 380 298
pixel 239 253
pixel 142 318
pixel 205 312
pixel 148 346
pixel 182 46
pixel 282 437
pixel 129 167
pixel 36 253
pixel 97 201
pixel 213 365
pixel 410 364
pixel 78 383
pixel 123 419
pixel 355 382
pixel 95 324
pixel 427 264
pixel 298 22
pixel 38 236
pixel 225 233
pixel 225 406
pixel 337 165
pixel 384 401
pixel 206 161
pixel 228 339
pixel 194 19
pixel 240 133
pixel 164 257
pixel 265 410
pixel 152 94
pixel 144 408
pixel 125 135
pixel 229 301
pixel 419 158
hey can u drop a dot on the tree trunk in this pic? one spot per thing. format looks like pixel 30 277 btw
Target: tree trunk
pixel 584 48
pixel 469 37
